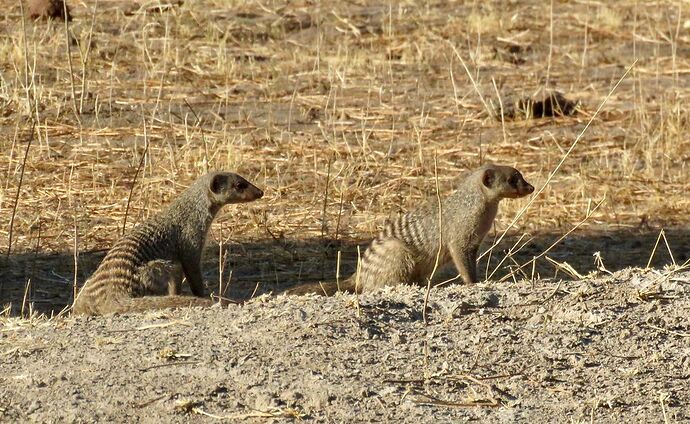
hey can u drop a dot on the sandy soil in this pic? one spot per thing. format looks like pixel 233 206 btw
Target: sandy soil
pixel 609 348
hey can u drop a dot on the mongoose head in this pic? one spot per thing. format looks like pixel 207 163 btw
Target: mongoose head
pixel 500 182
pixel 226 187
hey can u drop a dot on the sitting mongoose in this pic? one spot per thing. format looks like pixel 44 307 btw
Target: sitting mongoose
pixel 405 251
pixel 147 264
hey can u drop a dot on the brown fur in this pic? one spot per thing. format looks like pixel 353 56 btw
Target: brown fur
pixel 405 251
pixel 147 264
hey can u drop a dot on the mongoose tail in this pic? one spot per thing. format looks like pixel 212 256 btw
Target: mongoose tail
pixel 405 251
pixel 151 259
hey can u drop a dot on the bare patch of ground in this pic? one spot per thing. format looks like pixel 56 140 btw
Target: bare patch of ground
pixel 612 348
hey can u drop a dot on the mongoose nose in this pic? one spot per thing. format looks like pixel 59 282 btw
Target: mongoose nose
pixel 260 194
pixel 529 189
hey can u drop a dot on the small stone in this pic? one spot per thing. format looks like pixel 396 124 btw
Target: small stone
pixel 292 397
pixel 35 406
pixel 266 401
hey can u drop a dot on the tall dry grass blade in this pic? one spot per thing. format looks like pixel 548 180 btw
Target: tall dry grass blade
pixel 26 296
pixel 489 110
pixel 207 157
pixel 554 244
pixel 324 222
pixel 75 258
pixel 563 159
pixel 651 255
pixel 19 188
pixel 500 104
pixel 337 271
pixel 29 98
pixel 656 245
pixel 668 248
pixel 68 43
pixel 550 57
pixel 85 57
pixel 357 279
pixel 440 243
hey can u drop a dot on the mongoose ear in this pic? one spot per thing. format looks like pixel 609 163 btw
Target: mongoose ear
pixel 219 183
pixel 488 178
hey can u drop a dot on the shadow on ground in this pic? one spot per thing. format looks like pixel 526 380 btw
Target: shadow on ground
pixel 47 280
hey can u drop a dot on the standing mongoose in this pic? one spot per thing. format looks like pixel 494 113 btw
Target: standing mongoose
pixel 144 268
pixel 405 251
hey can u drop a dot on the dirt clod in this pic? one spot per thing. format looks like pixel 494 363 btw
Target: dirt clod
pixel 550 104
pixel 48 9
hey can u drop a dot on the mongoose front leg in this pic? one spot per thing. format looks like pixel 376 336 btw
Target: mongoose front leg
pixel 160 277
pixel 465 261
pixel 192 270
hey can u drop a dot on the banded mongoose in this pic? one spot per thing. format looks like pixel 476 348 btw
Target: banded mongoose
pixel 147 264
pixel 405 251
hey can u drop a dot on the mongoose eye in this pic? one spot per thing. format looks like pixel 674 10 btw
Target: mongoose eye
pixel 240 185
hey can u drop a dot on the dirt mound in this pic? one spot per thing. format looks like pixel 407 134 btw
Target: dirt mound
pixel 613 348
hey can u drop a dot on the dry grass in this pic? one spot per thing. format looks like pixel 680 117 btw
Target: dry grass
pixel 288 94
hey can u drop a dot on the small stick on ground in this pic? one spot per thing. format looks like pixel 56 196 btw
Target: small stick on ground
pixel 168 364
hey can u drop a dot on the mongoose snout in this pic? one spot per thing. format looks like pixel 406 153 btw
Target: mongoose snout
pixel 527 189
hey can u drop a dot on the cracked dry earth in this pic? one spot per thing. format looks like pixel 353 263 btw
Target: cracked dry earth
pixel 610 348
